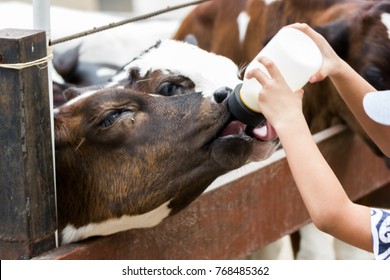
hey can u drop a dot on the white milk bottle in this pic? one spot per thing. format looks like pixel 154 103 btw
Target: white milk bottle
pixel 295 55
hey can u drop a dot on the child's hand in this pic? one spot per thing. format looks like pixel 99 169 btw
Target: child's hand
pixel 276 100
pixel 331 60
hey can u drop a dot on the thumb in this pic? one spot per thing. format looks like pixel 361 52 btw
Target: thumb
pixel 317 77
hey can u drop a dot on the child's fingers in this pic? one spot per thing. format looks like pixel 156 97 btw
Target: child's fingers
pixel 271 68
pixel 259 75
pixel 305 28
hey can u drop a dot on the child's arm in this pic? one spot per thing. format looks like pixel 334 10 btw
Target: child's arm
pixel 325 199
pixel 327 203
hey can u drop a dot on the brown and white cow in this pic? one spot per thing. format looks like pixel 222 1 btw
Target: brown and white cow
pixel 144 146
pixel 358 30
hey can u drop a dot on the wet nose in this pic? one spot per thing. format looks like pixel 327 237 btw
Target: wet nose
pixel 221 94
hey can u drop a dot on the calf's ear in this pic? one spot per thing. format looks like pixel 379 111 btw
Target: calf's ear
pixel 66 63
pixel 337 34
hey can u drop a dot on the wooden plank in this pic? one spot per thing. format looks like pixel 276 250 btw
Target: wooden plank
pixel 241 215
pixel 27 216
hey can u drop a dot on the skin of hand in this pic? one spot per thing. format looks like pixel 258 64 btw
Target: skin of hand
pixel 276 96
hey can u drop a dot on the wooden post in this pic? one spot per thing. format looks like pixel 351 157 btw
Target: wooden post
pixel 27 195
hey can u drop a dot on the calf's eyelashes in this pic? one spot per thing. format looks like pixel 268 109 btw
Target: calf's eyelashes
pixel 113 116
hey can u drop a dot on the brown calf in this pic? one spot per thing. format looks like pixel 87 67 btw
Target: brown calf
pixel 149 143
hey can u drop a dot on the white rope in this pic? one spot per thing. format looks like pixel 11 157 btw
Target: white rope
pixel 20 66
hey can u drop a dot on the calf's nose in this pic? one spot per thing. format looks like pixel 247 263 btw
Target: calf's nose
pixel 221 94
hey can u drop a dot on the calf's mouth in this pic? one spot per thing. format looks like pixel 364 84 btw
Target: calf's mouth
pixel 238 143
pixel 263 132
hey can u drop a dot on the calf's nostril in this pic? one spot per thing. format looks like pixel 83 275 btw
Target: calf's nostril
pixel 221 94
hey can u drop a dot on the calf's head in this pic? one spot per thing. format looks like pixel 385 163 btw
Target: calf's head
pixel 126 158
pixel 172 68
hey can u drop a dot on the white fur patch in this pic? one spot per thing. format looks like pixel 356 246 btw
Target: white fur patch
pixel 242 22
pixel 268 2
pixel 207 70
pixel 149 219
pixel 385 17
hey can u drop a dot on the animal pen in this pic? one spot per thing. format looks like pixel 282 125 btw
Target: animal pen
pixel 240 213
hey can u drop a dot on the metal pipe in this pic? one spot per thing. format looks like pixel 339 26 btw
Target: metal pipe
pixel 41 21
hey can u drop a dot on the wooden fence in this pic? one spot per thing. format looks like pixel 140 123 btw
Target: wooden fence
pixel 240 212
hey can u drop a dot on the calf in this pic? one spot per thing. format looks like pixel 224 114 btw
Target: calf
pixel 357 30
pixel 148 143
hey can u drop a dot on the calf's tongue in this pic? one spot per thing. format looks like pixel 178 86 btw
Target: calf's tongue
pixel 235 127
pixel 265 132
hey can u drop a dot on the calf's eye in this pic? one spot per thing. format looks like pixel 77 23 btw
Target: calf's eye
pixel 111 117
pixel 169 89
